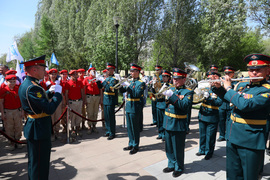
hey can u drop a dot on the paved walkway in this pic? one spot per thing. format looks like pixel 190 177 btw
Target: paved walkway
pixel 94 157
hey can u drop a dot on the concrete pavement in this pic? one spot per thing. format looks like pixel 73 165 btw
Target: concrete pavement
pixel 95 157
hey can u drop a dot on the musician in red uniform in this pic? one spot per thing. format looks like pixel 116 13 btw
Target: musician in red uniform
pixel 92 93
pixel 53 73
pixel 63 82
pixel 10 107
pixel 81 73
pixel 74 99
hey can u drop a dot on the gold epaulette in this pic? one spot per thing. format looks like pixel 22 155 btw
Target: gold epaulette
pixel 188 89
pixel 141 80
pixel 266 86
pixel 34 83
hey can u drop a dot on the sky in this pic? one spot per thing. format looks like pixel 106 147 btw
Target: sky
pixel 16 18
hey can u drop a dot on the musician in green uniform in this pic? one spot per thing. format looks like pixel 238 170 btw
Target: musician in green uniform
pixel 109 101
pixel 135 90
pixel 175 122
pixel 208 120
pixel 213 68
pixel 246 128
pixel 38 127
pixel 161 104
pixel 158 70
pixel 225 109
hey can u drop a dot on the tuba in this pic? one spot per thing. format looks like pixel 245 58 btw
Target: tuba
pixel 191 83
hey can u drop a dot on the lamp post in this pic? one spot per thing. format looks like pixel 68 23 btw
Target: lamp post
pixel 116 20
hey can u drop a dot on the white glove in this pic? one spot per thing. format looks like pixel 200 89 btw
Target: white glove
pixel 52 88
pixel 5 82
pixel 57 82
pixel 100 78
pixel 117 76
pixel 17 82
pixel 125 83
pixel 48 83
pixel 168 93
pixel 58 89
pixel 163 87
pixel 206 95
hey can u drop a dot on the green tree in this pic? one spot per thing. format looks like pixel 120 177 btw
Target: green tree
pixel 26 45
pixel 177 40
pixel 47 38
pixel 259 11
pixel 223 25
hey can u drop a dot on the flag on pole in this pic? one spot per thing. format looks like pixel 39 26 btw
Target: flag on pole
pixel 54 60
pixel 18 69
pixel 90 66
pixel 8 58
pixel 13 53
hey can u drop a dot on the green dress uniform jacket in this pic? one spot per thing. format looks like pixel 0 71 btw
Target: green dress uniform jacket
pixel 133 109
pixel 175 124
pixel 37 130
pixel 208 123
pixel 246 128
pixel 109 102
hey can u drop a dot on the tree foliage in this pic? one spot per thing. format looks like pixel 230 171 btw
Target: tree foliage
pixel 151 32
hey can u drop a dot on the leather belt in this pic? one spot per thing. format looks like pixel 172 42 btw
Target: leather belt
pixel 109 93
pixel 75 99
pixel 92 94
pixel 36 116
pixel 209 106
pixel 133 99
pixel 248 121
pixel 175 115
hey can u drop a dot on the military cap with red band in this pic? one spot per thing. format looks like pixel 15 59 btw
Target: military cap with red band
pixel 228 69
pixel 63 71
pixel 72 72
pixel 10 77
pixel 135 67
pixel 39 61
pixel 11 72
pixel 110 66
pixel 92 68
pixel 53 70
pixel 257 61
pixel 177 73
pixel 105 70
pixel 166 73
pixel 213 67
pixel 157 67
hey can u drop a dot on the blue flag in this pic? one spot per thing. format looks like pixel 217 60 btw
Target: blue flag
pixel 54 60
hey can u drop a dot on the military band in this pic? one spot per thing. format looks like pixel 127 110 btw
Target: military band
pixel 239 109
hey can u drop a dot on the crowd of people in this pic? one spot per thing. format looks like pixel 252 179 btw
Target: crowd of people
pixel 227 105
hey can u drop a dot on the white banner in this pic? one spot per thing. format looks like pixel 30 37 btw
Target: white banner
pixel 13 53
